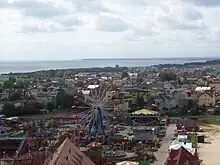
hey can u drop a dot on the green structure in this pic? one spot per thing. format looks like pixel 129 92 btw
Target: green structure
pixel 144 162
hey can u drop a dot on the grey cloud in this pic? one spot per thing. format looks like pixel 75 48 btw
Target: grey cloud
pixel 110 24
pixel 208 3
pixel 36 8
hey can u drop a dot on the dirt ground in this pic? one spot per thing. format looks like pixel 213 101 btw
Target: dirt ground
pixel 209 152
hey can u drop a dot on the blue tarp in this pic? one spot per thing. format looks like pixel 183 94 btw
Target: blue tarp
pixel 11 138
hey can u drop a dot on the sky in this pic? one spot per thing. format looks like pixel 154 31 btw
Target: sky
pixel 78 29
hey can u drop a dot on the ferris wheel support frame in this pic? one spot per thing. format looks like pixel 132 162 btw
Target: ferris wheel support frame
pixel 95 124
pixel 98 101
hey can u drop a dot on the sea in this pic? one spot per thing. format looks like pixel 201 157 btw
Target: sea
pixel 31 66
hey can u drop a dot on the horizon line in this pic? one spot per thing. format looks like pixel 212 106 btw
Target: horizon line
pixel 141 58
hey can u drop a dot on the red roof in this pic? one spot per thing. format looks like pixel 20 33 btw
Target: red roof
pixel 180 157
pixel 75 116
pixel 215 86
pixel 188 91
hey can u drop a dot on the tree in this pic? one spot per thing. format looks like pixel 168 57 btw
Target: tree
pixel 150 100
pixel 9 110
pixel 50 106
pixel 29 109
pixel 10 82
pixel 52 73
pixel 60 98
pixel 124 75
pixel 20 84
pixel 139 80
pixel 44 90
pixel 140 101
pixel 183 111
pixel 12 79
pixel 39 105
pixel 191 104
pixel 195 111
pixel 15 96
pixel 217 111
pixel 167 76
pixel 7 84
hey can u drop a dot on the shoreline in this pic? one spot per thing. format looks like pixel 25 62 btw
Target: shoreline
pixel 38 66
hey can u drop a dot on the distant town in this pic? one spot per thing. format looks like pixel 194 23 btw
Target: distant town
pixel 159 114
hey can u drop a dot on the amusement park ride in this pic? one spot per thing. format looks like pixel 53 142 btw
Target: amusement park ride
pixel 100 101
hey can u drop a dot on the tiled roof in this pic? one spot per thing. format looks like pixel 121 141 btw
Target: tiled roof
pixel 215 86
pixel 180 157
pixel 69 154
pixel 187 122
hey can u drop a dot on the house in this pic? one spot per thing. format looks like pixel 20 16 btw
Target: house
pixel 68 153
pixel 182 141
pixel 133 75
pixel 124 106
pixel 206 99
pixel 202 89
pixel 170 85
pixel 118 82
pixel 170 101
pixel 187 125
pixel 215 86
pixel 147 137
pixel 70 83
pixel 201 82
pixel 180 157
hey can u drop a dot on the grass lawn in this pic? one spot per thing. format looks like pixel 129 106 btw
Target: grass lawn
pixel 3 78
pixel 210 119
pixel 217 67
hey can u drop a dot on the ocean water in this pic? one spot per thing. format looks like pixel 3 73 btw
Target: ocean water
pixel 30 66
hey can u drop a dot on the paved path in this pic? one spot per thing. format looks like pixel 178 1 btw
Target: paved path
pixel 162 153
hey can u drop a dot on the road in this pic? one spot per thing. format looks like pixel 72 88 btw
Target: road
pixel 162 153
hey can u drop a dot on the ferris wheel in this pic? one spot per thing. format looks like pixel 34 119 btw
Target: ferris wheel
pixel 99 99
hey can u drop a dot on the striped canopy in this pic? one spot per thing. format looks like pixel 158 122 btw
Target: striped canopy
pixel 127 163
pixel 145 112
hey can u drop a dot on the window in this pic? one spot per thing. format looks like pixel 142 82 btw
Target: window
pixel 70 151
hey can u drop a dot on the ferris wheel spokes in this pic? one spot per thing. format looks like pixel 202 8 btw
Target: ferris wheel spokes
pixel 85 120
pixel 81 100
pixel 107 100
pixel 99 101
pixel 103 91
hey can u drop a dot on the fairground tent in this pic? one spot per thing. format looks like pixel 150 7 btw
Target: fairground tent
pixel 145 112
pixel 127 163
pixel 67 153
